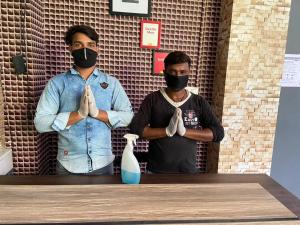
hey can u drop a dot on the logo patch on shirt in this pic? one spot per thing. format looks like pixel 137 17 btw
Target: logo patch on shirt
pixel 66 152
pixel 190 118
pixel 104 85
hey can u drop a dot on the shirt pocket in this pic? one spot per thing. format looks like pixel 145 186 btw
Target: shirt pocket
pixel 103 97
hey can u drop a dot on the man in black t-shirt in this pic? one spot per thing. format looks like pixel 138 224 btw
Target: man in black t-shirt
pixel 173 120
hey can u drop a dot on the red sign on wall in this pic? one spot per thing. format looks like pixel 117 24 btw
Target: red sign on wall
pixel 158 62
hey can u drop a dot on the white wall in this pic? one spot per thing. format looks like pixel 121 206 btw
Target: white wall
pixel 286 155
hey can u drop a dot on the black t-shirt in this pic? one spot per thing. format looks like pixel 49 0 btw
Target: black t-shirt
pixel 175 154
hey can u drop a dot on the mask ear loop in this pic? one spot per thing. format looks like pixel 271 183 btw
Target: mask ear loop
pixel 85 53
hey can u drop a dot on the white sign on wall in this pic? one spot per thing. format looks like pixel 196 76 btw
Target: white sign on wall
pixel 291 71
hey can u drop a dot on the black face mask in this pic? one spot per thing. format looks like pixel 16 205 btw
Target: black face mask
pixel 176 83
pixel 84 57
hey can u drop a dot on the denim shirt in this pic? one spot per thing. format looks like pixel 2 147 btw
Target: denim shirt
pixel 86 145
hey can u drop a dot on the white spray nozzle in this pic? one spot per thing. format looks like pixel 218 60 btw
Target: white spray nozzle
pixel 131 138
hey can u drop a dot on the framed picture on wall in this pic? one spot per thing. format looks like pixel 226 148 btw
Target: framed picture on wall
pixel 130 7
pixel 158 57
pixel 150 34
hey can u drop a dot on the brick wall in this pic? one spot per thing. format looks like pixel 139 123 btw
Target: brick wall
pixel 249 63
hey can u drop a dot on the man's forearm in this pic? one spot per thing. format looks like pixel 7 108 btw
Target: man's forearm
pixel 154 133
pixel 204 135
pixel 74 118
pixel 102 116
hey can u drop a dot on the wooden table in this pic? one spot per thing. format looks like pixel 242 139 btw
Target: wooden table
pixel 213 199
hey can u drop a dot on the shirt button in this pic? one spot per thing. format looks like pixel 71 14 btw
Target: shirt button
pixel 90 152
pixel 89 139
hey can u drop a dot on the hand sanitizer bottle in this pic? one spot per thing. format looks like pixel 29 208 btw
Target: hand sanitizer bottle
pixel 130 168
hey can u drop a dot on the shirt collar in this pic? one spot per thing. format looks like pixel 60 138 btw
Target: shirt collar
pixel 96 71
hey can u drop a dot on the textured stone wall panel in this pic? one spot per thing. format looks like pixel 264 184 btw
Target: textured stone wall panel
pixel 254 67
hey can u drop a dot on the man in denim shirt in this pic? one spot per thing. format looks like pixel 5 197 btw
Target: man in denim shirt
pixel 83 105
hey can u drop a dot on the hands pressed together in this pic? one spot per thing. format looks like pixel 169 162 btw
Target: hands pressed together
pixel 176 124
pixel 88 104
pixel 88 107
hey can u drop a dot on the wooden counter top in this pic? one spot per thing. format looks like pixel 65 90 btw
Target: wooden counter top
pixel 101 199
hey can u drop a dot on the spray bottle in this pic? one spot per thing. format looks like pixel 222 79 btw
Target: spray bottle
pixel 130 168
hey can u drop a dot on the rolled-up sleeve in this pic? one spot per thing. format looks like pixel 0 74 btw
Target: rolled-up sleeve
pixel 47 118
pixel 209 120
pixel 142 118
pixel 121 113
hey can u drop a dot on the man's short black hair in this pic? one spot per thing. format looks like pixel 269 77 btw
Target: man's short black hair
pixel 88 31
pixel 177 57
